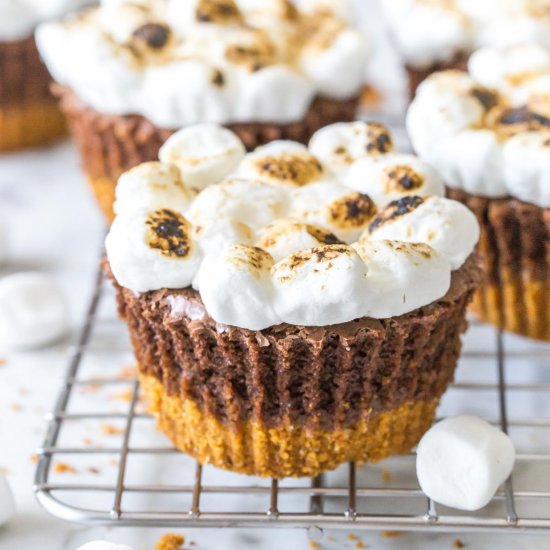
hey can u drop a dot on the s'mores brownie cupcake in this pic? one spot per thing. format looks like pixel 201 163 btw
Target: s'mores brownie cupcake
pixel 488 133
pixel 298 307
pixel 28 112
pixel 435 35
pixel 131 72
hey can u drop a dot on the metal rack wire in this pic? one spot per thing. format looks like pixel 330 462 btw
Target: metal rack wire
pixel 497 369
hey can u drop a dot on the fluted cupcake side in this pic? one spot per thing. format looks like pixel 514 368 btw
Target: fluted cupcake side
pixel 289 400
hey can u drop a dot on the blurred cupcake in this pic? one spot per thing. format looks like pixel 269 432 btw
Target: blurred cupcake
pixel 488 133
pixel 28 112
pixel 295 308
pixel 436 35
pixel 130 73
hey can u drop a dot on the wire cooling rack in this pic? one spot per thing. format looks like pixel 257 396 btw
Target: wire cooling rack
pixel 132 476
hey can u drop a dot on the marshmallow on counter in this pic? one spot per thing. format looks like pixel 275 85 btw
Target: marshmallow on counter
pixel 103 545
pixel 151 186
pixel 461 462
pixel 33 311
pixel 205 153
pixel 7 502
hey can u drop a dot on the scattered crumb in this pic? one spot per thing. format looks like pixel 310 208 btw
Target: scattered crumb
pixel 34 459
pixel 90 388
pixel 170 542
pixel 360 544
pixel 114 462
pixel 386 476
pixel 127 372
pixel 16 407
pixel 392 534
pixel 351 536
pixel 457 543
pixel 3 362
pixel 123 396
pixel 62 468
pixel 87 441
pixel 314 545
pixel 109 429
pixel 92 470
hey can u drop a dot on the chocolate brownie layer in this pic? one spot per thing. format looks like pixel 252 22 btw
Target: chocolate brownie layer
pixel 323 378
pixel 515 246
pixel 23 76
pixel 110 145
pixel 416 76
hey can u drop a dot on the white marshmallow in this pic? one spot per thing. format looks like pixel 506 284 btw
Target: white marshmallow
pixel 389 177
pixel 320 286
pixel 236 287
pixel 342 143
pixel 7 502
pixel 252 202
pixel 103 545
pixel 33 311
pixel 152 250
pixel 204 153
pixel 447 226
pixel 461 461
pixel 151 186
pixel 401 277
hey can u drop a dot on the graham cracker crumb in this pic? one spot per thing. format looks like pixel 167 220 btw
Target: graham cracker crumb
pixel 93 470
pixel 360 544
pixel 3 362
pixel 170 541
pixel 34 459
pixel 62 468
pixel 123 396
pixel 351 536
pixel 457 543
pixel 392 534
pixel 386 476
pixel 16 407
pixel 314 545
pixel 87 441
pixel 127 372
pixel 109 429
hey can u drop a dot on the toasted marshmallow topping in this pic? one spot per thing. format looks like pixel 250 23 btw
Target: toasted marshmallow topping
pixel 433 31
pixel 220 61
pixel 18 18
pixel 488 132
pixel 285 238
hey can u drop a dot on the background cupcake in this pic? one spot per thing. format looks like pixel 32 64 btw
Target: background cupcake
pixel 28 113
pixel 488 133
pixel 132 72
pixel 305 311
pixel 434 35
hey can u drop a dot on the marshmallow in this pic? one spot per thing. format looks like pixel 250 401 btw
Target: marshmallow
pixel 236 287
pixel 340 144
pixel 204 153
pixel 7 502
pixel 320 286
pixel 401 276
pixel 152 250
pixel 33 311
pixel 285 239
pixel 103 545
pixel 487 132
pixel 447 226
pixel 151 186
pixel 182 63
pixel 390 177
pixel 334 207
pixel 461 461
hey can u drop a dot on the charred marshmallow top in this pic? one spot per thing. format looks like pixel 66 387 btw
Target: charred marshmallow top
pixel 434 31
pixel 488 132
pixel 313 236
pixel 18 18
pixel 182 62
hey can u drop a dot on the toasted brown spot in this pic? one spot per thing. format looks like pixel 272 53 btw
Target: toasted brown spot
pixel 325 237
pixel 487 98
pixel 320 29
pixel 352 211
pixel 255 55
pixel 521 119
pixel 402 178
pixel 169 232
pixel 321 254
pixel 296 168
pixel 256 258
pixel 219 11
pixel 395 210
pixel 379 139
pixel 154 35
